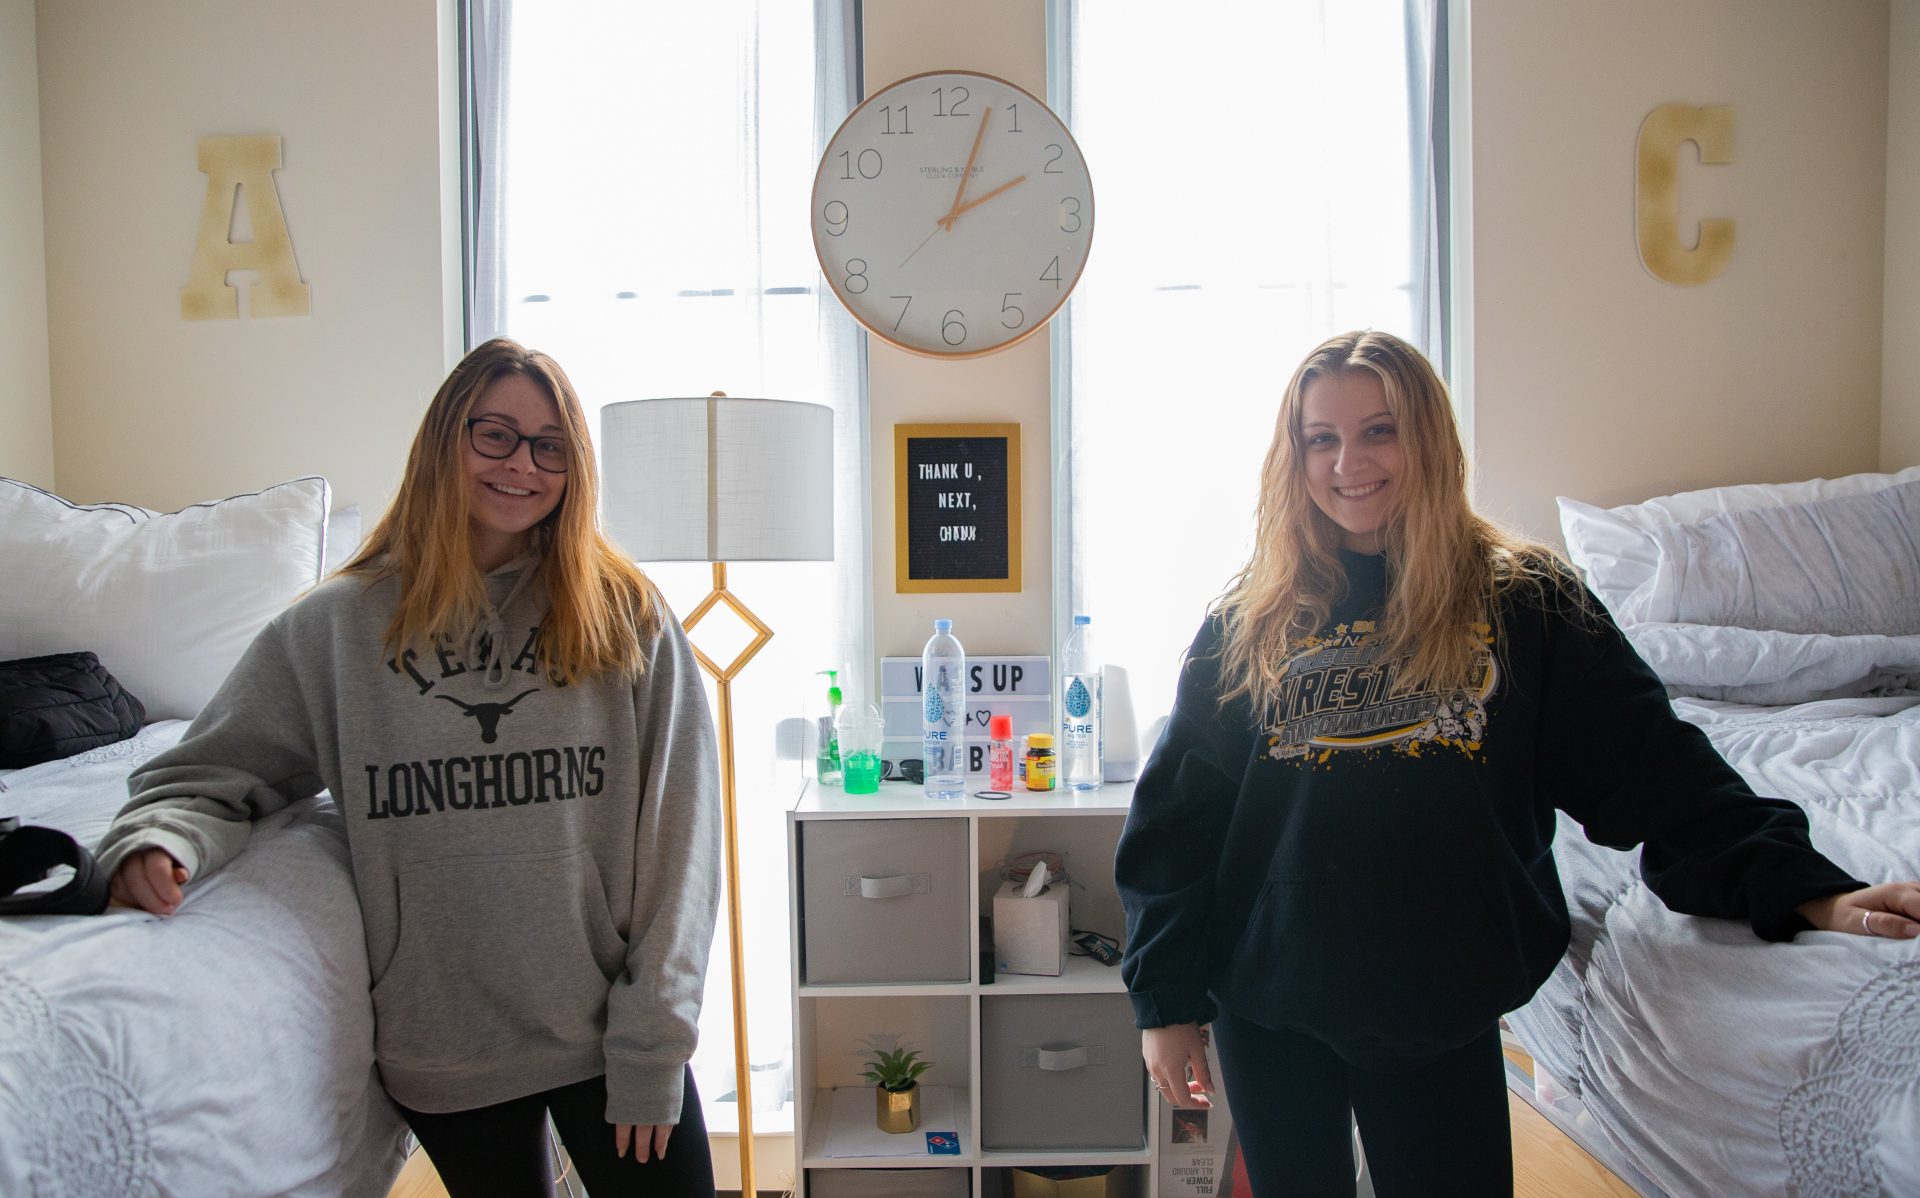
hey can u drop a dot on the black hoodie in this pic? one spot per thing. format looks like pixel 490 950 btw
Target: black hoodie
pixel 1373 867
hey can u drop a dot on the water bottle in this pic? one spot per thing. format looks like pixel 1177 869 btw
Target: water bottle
pixel 1080 710
pixel 943 713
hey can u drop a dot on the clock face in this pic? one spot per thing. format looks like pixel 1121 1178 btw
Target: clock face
pixel 952 213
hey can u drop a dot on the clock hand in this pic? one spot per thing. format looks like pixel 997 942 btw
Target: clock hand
pixel 970 205
pixel 979 135
pixel 945 223
pixel 937 228
pixel 960 193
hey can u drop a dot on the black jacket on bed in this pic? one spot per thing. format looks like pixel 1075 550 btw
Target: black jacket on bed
pixel 1374 868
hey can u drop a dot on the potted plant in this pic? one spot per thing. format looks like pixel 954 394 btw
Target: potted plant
pixel 896 1094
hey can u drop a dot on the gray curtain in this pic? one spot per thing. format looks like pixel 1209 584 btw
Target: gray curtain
pixel 1428 114
pixel 483 78
pixel 836 92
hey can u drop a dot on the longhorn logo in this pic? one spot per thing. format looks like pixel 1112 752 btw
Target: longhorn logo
pixel 488 713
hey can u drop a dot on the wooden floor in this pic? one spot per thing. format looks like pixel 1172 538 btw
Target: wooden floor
pixel 1546 1164
pixel 418 1180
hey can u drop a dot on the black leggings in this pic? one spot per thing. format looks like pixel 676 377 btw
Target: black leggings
pixel 500 1151
pixel 1441 1128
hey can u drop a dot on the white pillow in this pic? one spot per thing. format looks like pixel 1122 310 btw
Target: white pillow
pixel 1619 550
pixel 1845 566
pixel 343 536
pixel 1744 665
pixel 167 602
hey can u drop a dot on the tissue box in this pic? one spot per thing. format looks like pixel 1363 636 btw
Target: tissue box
pixel 1030 934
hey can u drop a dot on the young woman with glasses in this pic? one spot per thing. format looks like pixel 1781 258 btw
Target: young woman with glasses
pixel 516 734
pixel 1338 853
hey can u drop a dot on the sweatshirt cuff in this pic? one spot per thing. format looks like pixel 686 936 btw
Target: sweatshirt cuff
pixel 1774 898
pixel 1165 1008
pixel 644 1092
pixel 177 846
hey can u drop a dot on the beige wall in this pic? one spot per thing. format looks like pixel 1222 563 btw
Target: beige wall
pixel 160 411
pixel 26 402
pixel 1900 361
pixel 1006 38
pixel 1591 378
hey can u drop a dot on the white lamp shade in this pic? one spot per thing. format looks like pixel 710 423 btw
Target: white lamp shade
pixel 718 479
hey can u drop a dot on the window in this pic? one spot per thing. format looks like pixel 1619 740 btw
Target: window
pixel 638 206
pixel 1261 186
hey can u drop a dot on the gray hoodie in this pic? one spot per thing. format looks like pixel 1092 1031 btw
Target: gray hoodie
pixel 537 865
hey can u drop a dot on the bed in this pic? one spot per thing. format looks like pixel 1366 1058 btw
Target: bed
pixel 228 1049
pixel 1688 1055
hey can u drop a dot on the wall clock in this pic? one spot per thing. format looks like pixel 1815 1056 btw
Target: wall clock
pixel 952 213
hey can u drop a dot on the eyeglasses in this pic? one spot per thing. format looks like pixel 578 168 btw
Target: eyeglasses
pixel 492 439
pixel 911 770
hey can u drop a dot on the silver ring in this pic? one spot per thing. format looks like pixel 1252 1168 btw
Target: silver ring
pixel 1866 929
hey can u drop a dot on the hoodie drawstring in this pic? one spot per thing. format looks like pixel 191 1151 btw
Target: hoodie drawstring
pixel 494 629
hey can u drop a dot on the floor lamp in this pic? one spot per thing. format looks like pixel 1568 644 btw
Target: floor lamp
pixel 721 480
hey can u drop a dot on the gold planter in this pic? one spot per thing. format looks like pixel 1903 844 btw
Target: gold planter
pixel 896 1111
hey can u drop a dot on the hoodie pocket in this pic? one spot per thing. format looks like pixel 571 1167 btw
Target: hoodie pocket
pixel 1385 967
pixel 496 950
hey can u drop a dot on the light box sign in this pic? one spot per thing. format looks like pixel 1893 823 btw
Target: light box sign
pixel 1019 687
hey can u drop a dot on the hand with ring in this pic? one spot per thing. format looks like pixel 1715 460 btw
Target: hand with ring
pixel 1171 1053
pixel 1890 911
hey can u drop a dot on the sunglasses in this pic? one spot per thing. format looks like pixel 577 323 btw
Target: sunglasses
pixel 911 770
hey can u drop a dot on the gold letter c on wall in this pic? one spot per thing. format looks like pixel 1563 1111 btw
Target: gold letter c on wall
pixel 1657 192
pixel 242 166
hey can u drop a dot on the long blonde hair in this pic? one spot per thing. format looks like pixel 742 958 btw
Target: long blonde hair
pixel 1447 563
pixel 602 609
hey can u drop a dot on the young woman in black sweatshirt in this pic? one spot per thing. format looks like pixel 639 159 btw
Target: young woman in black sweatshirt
pixel 1338 854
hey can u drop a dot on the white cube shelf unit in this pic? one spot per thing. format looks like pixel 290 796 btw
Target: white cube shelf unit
pixel 898 970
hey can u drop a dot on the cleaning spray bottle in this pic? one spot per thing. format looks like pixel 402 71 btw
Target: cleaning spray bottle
pixel 826 763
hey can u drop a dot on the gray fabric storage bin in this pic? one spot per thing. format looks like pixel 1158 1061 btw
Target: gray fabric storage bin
pixel 1061 1072
pixel 956 1182
pixel 885 900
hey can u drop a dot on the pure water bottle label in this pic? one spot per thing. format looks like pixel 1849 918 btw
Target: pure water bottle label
pixel 943 714
pixel 1080 767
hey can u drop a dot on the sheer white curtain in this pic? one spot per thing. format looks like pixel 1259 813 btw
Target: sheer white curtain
pixel 639 212
pixel 1260 182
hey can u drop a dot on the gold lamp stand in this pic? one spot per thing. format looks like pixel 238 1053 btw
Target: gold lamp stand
pixel 666 459
pixel 723 684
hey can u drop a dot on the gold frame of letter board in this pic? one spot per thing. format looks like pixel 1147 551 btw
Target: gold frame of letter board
pixel 905 585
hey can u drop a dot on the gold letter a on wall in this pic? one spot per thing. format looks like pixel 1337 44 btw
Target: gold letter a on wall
pixel 1657 192
pixel 242 165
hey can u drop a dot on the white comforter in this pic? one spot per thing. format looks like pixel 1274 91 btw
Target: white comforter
pixel 227 1050
pixel 1721 1065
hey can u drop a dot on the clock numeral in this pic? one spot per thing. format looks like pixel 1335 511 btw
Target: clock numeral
pixel 1070 214
pixel 1052 273
pixel 1006 306
pixel 848 164
pixel 1015 110
pixel 948 326
pixel 827 215
pixel 959 104
pixel 857 269
pixel 903 310
pixel 904 126
pixel 1048 169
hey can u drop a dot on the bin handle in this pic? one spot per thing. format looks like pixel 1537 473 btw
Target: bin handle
pixel 1062 1057
pixel 896 886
